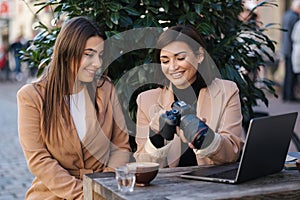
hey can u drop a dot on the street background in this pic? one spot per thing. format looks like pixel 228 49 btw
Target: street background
pixel 15 177
pixel 19 18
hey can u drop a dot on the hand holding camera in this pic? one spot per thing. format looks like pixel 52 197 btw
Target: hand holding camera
pixel 182 115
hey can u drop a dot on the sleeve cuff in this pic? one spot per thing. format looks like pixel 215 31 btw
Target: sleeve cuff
pixel 209 149
pixel 157 152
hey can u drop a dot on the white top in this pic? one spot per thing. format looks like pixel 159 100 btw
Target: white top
pixel 78 112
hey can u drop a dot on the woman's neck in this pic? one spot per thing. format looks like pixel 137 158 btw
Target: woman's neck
pixel 191 93
pixel 78 86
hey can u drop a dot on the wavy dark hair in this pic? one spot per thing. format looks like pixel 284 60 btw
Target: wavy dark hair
pixel 189 35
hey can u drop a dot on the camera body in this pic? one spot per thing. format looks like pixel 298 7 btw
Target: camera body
pixel 182 115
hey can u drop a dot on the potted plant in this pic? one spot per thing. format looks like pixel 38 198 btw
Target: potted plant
pixel 216 20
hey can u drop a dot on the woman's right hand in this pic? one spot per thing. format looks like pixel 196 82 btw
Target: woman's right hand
pixel 155 112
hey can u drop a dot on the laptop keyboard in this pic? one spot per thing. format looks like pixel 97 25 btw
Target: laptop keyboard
pixel 230 174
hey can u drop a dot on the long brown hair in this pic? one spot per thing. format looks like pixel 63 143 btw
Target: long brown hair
pixel 63 68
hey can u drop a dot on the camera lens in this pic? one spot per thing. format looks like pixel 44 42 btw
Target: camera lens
pixel 194 129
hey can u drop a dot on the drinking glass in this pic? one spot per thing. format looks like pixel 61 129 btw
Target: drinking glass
pixel 125 179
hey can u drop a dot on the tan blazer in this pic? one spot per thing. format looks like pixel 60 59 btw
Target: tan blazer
pixel 59 160
pixel 219 104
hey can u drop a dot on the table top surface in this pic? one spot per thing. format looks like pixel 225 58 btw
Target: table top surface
pixel 169 185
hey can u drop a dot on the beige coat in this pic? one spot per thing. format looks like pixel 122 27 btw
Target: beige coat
pixel 219 104
pixel 59 160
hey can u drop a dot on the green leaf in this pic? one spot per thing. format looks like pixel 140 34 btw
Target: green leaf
pixel 132 11
pixel 153 10
pixel 125 21
pixel 176 3
pixel 44 63
pixel 198 8
pixel 165 6
pixel 181 19
pixel 113 6
pixel 191 17
pixel 138 23
pixel 115 18
pixel 58 8
pixel 148 20
pixel 186 7
pixel 109 24
pixel 217 6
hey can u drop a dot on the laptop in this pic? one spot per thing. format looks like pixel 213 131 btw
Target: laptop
pixel 264 152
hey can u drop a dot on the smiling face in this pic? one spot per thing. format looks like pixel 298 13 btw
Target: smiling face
pixel 91 60
pixel 179 63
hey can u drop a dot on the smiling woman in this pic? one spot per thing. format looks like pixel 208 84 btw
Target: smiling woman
pixel 91 60
pixel 210 132
pixel 177 63
pixel 70 121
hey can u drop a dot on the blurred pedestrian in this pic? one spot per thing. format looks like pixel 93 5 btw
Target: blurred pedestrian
pixel 15 47
pixel 4 62
pixel 289 20
pixel 296 48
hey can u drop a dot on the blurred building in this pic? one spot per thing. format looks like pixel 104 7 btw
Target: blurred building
pixel 17 17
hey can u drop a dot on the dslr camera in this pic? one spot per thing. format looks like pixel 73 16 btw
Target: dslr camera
pixel 182 115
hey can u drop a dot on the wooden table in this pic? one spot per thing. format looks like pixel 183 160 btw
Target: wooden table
pixel 168 185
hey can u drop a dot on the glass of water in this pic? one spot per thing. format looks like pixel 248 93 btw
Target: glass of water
pixel 125 179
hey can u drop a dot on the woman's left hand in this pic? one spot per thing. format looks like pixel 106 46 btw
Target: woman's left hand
pixel 182 136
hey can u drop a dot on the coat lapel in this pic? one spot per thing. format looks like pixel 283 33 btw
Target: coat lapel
pixel 67 136
pixel 73 138
pixel 210 104
pixel 94 134
pixel 166 98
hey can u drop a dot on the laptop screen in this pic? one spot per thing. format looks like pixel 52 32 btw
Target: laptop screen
pixel 264 152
